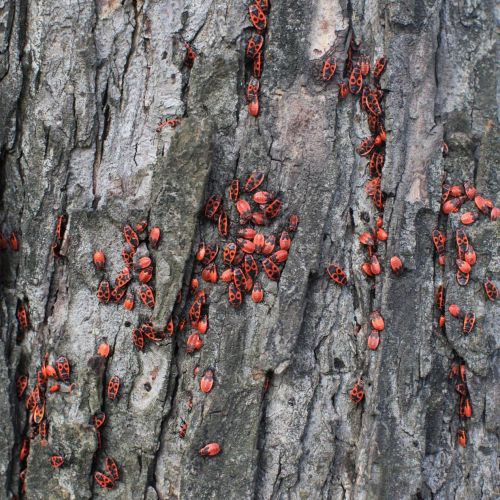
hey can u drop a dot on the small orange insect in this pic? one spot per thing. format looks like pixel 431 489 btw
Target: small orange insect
pixel 210 450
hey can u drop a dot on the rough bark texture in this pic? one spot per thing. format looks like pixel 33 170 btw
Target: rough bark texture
pixel 83 86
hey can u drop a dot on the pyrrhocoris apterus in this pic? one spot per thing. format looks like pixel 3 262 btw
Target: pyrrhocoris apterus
pixel 14 242
pixel 329 68
pixel 234 295
pixel 462 437
pixel 491 289
pixel 257 292
pixel 207 381
pixel 229 253
pixel 22 317
pixel 130 236
pixel 462 278
pixel 190 56
pixel 355 80
pixel 234 190
pixel 183 429
pixel 440 297
pixel 257 65
pixel 273 209
pixel 293 223
pixel 154 236
pixel 250 266
pixel 271 269
pixel 366 146
pixel 373 340
pixel 257 17
pixel 377 321
pixel 123 279
pixel 254 45
pixel 146 275
pixel 211 251
pixel 98 419
pixel 104 292
pixel 194 343
pixel 210 450
pixel 343 90
pixel 113 387
pixel 103 480
pixel 254 180
pixel 25 449
pixel 376 164
pixel 147 296
pixel 112 468
pixel 380 65
pixel 138 338
pixel 469 321
pixel 57 461
pixel 21 384
pixel 63 368
pixel 357 393
pixel 99 260
pixel 337 274
pixel 212 206
pixel 223 224
pixel 117 294
pixel 252 89
pixel 128 253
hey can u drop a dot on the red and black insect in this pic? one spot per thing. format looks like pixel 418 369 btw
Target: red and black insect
pixel 154 237
pixel 271 269
pixel 337 274
pixel 57 461
pixel 235 296
pixel 293 223
pixel 329 68
pixel 60 227
pixel 440 297
pixel 273 209
pixel 99 419
pixel 254 180
pixel 250 266
pixel 376 164
pixel 147 296
pixel 21 384
pixel 207 381
pixel 63 368
pixel 103 480
pixel 343 90
pixel 113 387
pixel 212 206
pixel 14 242
pixel 355 81
pixel 366 146
pixel 439 240
pixel 138 339
pixel 264 5
pixel 223 224
pixel 469 321
pixel 104 292
pixel 210 450
pixel 373 340
pixel 357 393
pixel 112 468
pixel 229 253
pixel 194 343
pixel 123 279
pixel 257 65
pixel 491 289
pixel 234 190
pixel 462 278
pixel 183 429
pixel 211 251
pixel 254 46
pixel 190 56
pixel 25 449
pixel 380 66
pixel 22 317
pixel 130 236
pixel 253 87
pixel 373 104
pixel 257 17
pixel 128 253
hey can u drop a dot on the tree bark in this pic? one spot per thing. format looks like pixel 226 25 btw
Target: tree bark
pixel 83 86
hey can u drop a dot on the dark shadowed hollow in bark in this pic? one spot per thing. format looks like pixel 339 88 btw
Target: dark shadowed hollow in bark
pixel 84 86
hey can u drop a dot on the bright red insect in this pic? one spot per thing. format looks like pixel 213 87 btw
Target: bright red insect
pixel 337 274
pixel 113 387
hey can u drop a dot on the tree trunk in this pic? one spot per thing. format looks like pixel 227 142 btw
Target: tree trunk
pixel 83 86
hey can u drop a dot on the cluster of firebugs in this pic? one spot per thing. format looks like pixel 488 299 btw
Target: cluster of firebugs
pixel 250 248
pixel 357 68
pixel 257 12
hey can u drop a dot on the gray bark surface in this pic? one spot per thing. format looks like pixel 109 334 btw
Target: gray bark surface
pixel 83 86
